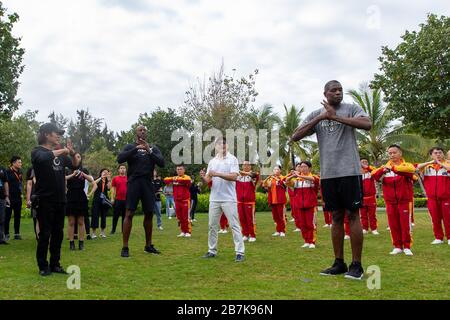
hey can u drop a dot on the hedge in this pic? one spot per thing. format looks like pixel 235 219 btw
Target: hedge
pixel 261 204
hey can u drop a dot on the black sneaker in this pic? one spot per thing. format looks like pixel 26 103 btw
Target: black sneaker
pixel 151 249
pixel 239 257
pixel 58 269
pixel 88 237
pixel 45 272
pixel 81 245
pixel 3 242
pixel 125 252
pixel 209 255
pixel 336 268
pixel 72 245
pixel 17 237
pixel 355 271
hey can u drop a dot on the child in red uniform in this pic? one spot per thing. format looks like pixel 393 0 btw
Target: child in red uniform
pixel 305 186
pixel 223 224
pixel 182 196
pixel 368 212
pixel 397 186
pixel 276 187
pixel 246 197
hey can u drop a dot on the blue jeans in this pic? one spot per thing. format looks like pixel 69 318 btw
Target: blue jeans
pixel 169 200
pixel 158 213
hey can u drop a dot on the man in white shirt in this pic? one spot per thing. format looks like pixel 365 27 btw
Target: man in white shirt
pixel 222 172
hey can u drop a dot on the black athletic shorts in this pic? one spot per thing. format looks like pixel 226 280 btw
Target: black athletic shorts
pixel 342 193
pixel 141 188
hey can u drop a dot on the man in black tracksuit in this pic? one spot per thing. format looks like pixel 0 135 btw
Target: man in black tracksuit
pixel 50 195
pixel 15 180
pixel 141 159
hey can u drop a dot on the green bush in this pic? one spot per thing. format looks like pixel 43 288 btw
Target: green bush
pixel 418 202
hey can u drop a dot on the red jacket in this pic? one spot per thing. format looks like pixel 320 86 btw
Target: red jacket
pixel 246 188
pixel 369 189
pixel 436 181
pixel 180 187
pixel 397 183
pixel 305 192
pixel 276 189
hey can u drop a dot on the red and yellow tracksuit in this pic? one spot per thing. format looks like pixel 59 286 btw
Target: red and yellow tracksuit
pixel 305 206
pixel 436 181
pixel 397 185
pixel 291 195
pixel 368 212
pixel 277 199
pixel 182 198
pixel 246 201
pixel 223 222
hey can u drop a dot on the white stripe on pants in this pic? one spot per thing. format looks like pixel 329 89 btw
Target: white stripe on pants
pixel 230 210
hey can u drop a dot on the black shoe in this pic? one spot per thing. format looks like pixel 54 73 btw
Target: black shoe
pixel 125 252
pixel 337 268
pixel 17 237
pixel 239 257
pixel 3 242
pixel 88 237
pixel 7 237
pixel 58 269
pixel 45 272
pixel 72 245
pixel 151 249
pixel 209 255
pixel 112 232
pixel 355 271
pixel 81 245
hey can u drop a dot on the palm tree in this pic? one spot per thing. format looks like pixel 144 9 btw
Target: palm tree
pixel 263 118
pixel 304 149
pixel 384 131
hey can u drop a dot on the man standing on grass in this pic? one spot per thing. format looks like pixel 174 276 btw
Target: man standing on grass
pixel 4 201
pixel 141 159
pixel 182 196
pixel 119 196
pixel 222 172
pixel 334 125
pixel 15 180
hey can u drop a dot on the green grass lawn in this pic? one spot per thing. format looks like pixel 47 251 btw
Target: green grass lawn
pixel 274 268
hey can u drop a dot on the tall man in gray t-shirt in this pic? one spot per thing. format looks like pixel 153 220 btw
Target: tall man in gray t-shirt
pixel 341 183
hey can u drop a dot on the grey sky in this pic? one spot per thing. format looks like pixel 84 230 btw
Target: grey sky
pixel 122 58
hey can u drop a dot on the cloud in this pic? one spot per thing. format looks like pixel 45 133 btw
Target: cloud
pixel 123 58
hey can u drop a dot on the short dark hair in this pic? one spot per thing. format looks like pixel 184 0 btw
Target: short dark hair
pixel 221 139
pixel 308 163
pixel 14 159
pixel 329 84
pixel 121 165
pixel 435 148
pixel 395 146
pixel 180 165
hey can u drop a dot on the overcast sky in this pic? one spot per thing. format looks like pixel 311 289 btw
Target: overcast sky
pixel 122 58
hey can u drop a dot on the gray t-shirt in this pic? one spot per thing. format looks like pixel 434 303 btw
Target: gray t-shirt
pixel 339 156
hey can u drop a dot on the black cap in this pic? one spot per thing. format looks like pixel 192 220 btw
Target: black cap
pixel 51 127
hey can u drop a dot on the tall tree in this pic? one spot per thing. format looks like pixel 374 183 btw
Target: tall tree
pixel 263 117
pixel 222 101
pixel 11 67
pixel 415 78
pixel 84 130
pixel 385 132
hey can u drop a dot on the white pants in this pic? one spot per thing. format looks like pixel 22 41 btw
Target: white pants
pixel 230 210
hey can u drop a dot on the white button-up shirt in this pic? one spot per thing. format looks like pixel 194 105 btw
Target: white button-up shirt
pixel 223 190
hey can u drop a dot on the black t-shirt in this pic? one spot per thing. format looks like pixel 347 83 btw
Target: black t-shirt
pixel 194 190
pixel 140 162
pixel 3 180
pixel 30 176
pixel 50 174
pixel 15 181
pixel 101 188
pixel 75 186
pixel 157 185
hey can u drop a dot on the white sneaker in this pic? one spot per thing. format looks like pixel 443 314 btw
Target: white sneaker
pixel 346 237
pixel 408 252
pixel 389 229
pixel 251 239
pixel 276 234
pixel 282 234
pixel 103 235
pixel 437 241
pixel 181 235
pixel 225 231
pixel 245 238
pixel 375 232
pixel 160 228
pixel 312 246
pixel 93 236
pixel 326 225
pixel 413 224
pixel 306 245
pixel 365 231
pixel 448 242
pixel 194 220
pixel 396 251
pixel 187 235
pixel 297 230
pixel 292 220
pixel 170 218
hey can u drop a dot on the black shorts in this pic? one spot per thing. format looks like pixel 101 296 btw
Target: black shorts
pixel 342 193
pixel 141 189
